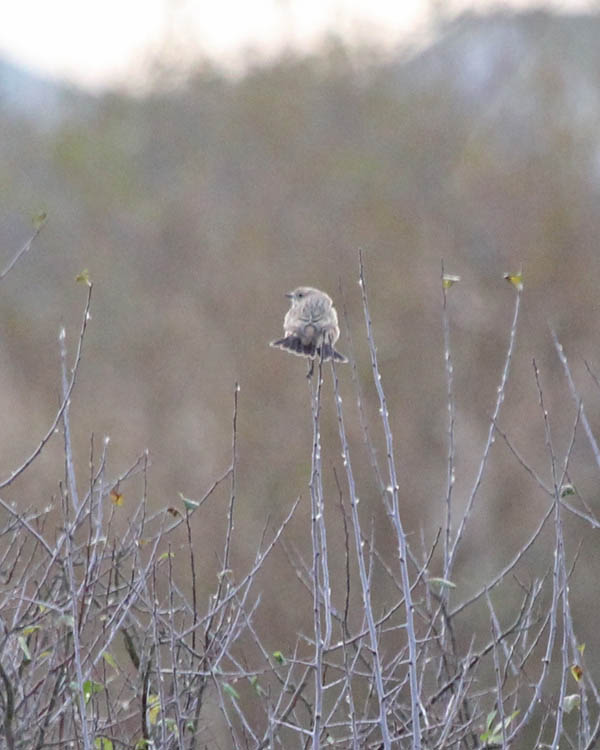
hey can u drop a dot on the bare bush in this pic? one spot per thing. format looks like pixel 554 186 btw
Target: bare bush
pixel 105 645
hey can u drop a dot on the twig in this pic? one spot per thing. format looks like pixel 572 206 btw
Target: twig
pixel 400 534
pixel 489 441
pixel 25 249
pixel 575 395
pixel 450 478
pixel 28 461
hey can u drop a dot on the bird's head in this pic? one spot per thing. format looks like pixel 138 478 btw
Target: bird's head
pixel 305 292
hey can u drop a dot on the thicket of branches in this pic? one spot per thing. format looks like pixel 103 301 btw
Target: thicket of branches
pixel 104 645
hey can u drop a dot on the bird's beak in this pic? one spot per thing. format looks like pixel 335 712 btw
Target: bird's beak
pixel 289 295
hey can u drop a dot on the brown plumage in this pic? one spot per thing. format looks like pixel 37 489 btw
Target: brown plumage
pixel 310 325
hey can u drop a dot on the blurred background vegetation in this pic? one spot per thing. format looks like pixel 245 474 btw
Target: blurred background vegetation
pixel 197 205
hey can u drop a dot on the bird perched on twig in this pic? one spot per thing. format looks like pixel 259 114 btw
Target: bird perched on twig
pixel 310 326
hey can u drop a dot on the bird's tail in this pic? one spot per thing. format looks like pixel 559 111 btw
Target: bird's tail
pixel 294 345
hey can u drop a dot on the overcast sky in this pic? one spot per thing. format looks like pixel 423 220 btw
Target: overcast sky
pixel 99 43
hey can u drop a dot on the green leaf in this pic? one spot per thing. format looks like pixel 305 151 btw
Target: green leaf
pixel 110 660
pixel 231 691
pixel 24 647
pixel 190 505
pixel 153 708
pixel 83 277
pixel 103 743
pixel 449 279
pixel 31 629
pixel 488 725
pixel 493 736
pixel 279 657
pixel 516 279
pixel 577 672
pixel 570 702
pixel 254 682
pixel 38 220
pixel 443 583
pixel 90 688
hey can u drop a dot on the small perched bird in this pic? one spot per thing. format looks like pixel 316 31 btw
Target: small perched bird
pixel 310 326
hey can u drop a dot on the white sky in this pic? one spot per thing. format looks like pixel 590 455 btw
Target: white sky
pixel 101 42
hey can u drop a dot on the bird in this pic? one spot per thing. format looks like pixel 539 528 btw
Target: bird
pixel 310 326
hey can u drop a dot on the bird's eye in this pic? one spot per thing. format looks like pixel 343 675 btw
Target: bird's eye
pixel 300 295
